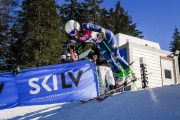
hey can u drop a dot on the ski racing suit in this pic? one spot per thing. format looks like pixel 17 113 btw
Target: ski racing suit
pixel 108 47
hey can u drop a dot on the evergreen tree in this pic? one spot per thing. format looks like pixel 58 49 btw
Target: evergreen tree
pixel 105 18
pixel 72 9
pixel 38 33
pixel 175 43
pixel 85 11
pixel 121 22
pixel 6 19
pixel 94 9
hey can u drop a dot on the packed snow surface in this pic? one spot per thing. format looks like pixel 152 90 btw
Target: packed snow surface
pixel 161 103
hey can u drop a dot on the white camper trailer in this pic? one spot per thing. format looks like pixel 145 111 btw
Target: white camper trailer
pixel 161 66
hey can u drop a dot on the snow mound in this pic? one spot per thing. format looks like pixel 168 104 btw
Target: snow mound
pixel 151 104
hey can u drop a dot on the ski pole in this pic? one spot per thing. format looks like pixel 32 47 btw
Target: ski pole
pixel 132 62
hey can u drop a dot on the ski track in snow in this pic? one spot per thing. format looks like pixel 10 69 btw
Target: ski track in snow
pixel 161 103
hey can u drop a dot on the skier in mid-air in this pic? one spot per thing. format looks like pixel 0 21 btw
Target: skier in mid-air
pixel 106 41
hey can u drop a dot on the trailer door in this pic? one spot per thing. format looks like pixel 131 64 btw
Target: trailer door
pixel 167 68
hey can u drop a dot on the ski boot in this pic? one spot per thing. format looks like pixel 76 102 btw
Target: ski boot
pixel 119 83
pixel 112 89
pixel 120 79
pixel 126 76
pixel 129 75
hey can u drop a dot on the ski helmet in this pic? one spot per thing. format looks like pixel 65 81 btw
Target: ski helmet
pixel 71 27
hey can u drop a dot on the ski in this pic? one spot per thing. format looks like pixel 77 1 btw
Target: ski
pixel 112 92
pixel 109 93
pixel 85 101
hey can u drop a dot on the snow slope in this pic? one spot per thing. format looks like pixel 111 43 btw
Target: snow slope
pixel 150 104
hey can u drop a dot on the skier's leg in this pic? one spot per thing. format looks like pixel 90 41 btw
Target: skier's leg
pixel 127 70
pixel 113 64
pixel 112 44
pixel 108 57
pixel 102 74
pixel 110 78
pixel 122 64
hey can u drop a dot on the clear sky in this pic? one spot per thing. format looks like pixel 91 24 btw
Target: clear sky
pixel 157 19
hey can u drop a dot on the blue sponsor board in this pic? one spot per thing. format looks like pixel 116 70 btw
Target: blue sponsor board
pixel 49 84
pixel 58 83
pixel 8 91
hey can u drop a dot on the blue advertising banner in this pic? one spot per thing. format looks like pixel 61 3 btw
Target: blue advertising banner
pixel 8 91
pixel 57 83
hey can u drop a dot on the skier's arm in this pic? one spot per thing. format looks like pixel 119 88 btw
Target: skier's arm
pixel 91 27
pixel 100 32
pixel 73 56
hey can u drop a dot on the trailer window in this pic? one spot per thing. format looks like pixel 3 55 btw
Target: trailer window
pixel 168 74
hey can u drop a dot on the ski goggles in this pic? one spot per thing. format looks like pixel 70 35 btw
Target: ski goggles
pixel 72 33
